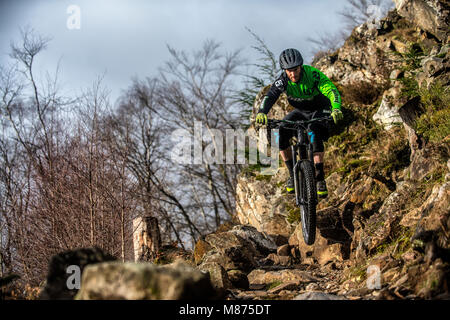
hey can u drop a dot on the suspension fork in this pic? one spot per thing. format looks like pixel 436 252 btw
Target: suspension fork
pixel 298 155
pixel 297 175
pixel 311 137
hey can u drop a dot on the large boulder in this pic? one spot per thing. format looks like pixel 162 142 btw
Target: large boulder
pixel 229 256
pixel 145 281
pixel 263 243
pixel 366 55
pixel 264 277
pixel 433 213
pixel 218 275
pixel 239 253
pixel 235 249
pixel 430 15
pixel 261 204
pixel 387 114
pixel 380 225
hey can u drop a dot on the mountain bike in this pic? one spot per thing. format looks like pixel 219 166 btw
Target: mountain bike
pixel 304 172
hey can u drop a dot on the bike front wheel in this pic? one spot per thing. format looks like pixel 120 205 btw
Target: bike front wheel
pixel 307 196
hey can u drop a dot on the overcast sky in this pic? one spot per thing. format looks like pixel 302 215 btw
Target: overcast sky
pixel 129 38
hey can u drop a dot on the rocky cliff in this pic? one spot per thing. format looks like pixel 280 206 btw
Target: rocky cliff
pixel 387 165
pixel 383 232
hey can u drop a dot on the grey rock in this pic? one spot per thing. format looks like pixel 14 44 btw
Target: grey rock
pixel 261 241
pixel 145 281
pixel 240 252
pixel 429 15
pixel 387 114
pixel 313 295
pixel 432 66
pixel 218 276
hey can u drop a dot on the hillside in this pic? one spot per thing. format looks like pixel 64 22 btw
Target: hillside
pixel 387 165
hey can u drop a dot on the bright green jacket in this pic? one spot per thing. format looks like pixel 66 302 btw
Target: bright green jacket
pixel 313 91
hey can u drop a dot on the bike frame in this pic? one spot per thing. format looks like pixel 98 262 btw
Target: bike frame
pixel 305 185
pixel 302 150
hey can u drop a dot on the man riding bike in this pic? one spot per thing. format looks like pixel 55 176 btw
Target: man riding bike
pixel 309 91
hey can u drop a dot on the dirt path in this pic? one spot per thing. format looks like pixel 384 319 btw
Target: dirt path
pixel 287 283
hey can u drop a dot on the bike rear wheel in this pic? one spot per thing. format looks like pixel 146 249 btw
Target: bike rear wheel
pixel 307 203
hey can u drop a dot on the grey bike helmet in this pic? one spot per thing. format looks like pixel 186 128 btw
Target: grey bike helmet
pixel 290 58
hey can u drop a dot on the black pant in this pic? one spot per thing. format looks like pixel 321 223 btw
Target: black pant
pixel 319 129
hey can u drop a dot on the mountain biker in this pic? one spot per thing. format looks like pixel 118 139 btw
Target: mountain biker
pixel 311 93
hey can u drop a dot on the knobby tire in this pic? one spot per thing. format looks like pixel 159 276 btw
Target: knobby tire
pixel 308 209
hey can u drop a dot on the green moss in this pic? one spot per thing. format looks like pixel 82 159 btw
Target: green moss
pixel 263 177
pixel 341 139
pixel 359 272
pixel 436 176
pixel 398 242
pixel 413 57
pixel 410 87
pixel 381 249
pixel 253 169
pixel 411 64
pixel 434 284
pixel 434 123
pixel 273 284
pixel 358 163
pixel 369 135
pixel 293 215
pixel 402 242
pixel 352 167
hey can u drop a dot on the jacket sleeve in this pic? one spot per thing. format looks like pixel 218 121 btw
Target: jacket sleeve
pixel 272 95
pixel 328 89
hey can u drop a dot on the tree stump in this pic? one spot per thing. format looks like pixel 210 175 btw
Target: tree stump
pixel 146 238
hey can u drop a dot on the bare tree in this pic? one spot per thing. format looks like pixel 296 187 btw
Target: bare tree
pixel 136 123
pixel 192 88
pixel 198 88
pixel 35 127
pixel 60 186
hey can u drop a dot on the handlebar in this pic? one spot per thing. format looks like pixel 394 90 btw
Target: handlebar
pixel 273 123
